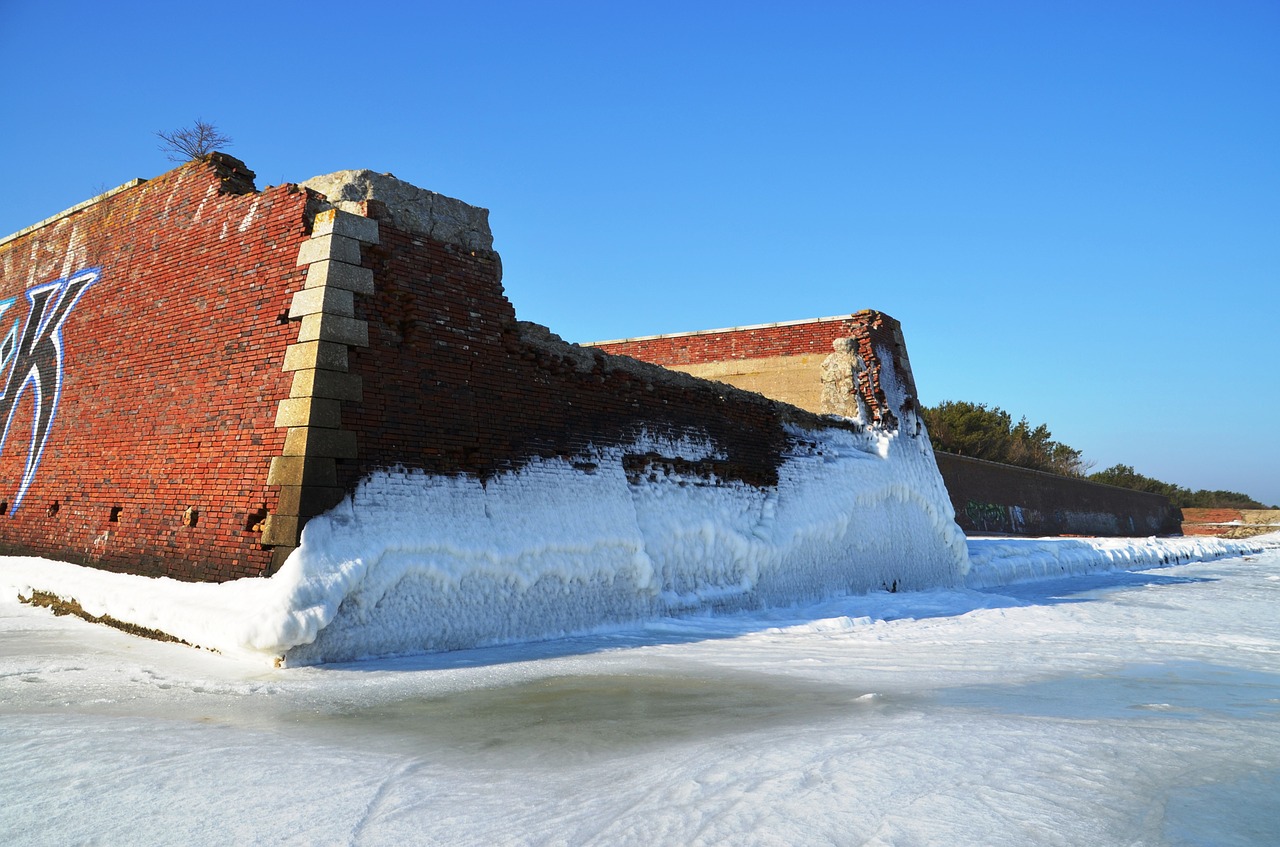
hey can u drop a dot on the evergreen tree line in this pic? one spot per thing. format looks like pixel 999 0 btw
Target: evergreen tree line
pixel 973 429
pixel 1182 498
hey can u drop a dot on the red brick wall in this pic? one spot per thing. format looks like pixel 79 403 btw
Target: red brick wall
pixel 744 343
pixel 1210 521
pixel 171 375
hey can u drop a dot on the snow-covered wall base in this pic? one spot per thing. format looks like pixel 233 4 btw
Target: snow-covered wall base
pixel 415 562
pixel 1006 561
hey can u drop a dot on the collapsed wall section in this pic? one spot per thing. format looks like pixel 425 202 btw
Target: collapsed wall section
pixel 1230 523
pixel 808 362
pixel 782 361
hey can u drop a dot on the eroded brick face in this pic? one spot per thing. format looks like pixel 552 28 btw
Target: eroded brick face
pixel 986 497
pixel 451 383
pixel 170 372
pixel 1210 521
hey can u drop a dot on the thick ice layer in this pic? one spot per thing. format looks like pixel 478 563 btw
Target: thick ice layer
pixel 1004 561
pixel 412 562
pixel 415 562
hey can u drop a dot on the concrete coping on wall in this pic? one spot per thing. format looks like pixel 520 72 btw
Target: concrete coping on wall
pixel 693 333
pixel 411 208
pixel 133 183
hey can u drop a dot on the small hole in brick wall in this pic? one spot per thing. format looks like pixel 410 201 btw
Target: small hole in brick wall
pixel 253 521
pixel 282 318
pixel 4 508
pixel 115 514
pixel 53 508
pixel 191 516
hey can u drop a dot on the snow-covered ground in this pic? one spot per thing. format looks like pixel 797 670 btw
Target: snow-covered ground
pixel 1054 701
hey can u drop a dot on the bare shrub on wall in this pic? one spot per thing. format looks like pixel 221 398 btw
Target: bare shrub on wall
pixel 192 142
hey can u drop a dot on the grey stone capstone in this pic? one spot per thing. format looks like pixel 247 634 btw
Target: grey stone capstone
pixel 412 208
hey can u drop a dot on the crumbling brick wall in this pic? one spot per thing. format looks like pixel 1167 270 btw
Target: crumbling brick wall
pixel 168 378
pixel 229 363
pixel 754 342
pixel 800 357
pixel 987 497
pixel 447 358
pixel 1230 523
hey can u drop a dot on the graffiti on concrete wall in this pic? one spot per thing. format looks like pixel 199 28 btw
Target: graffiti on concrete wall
pixel 31 362
pixel 987 517
pixel 992 517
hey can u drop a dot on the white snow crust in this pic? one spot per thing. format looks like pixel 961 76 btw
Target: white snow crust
pixel 1005 561
pixel 413 562
pixel 416 563
pixel 442 563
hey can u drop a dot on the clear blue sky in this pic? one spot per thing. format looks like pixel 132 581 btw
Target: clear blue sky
pixel 1072 207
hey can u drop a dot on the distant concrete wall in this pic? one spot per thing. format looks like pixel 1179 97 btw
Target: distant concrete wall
pixel 1005 500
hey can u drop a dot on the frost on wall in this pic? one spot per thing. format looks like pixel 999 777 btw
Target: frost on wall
pixel 416 562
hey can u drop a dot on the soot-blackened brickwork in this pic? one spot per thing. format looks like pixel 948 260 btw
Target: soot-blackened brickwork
pixel 141 347
pixel 447 357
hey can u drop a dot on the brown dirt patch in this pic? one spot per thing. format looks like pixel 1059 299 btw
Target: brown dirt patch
pixel 59 606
